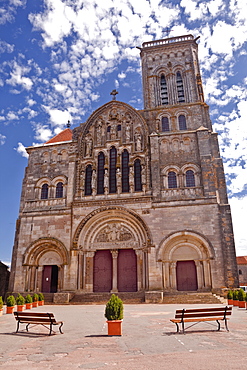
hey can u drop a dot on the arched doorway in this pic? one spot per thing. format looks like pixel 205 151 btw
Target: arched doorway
pixel 185 257
pixel 186 276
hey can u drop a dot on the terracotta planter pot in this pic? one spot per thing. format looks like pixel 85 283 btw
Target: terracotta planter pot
pixel 241 304
pixel 1 312
pixel 21 308
pixel 29 306
pixel 10 309
pixel 114 327
pixel 41 303
pixel 235 303
pixel 230 302
pixel 35 304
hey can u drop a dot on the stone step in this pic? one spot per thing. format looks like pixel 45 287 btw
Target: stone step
pixel 102 298
pixel 192 298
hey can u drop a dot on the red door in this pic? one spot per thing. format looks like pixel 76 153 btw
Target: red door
pixel 102 272
pixel 186 276
pixel 127 272
pixel 50 279
pixel 46 280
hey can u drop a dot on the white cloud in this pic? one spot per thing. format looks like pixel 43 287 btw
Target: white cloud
pixel 58 117
pixel 5 47
pixel 42 133
pixel 11 116
pixel 21 150
pixel 17 77
pixel 2 139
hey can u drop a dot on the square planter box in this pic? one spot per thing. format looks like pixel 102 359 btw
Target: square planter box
pixel 114 327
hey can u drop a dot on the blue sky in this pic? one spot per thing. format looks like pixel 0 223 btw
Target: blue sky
pixel 60 59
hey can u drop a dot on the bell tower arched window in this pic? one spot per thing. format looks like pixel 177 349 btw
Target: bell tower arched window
pixel 165 124
pixel 180 88
pixel 59 190
pixel 182 122
pixel 172 180
pixel 163 90
pixel 125 171
pixel 101 171
pixel 137 175
pixel 190 178
pixel 44 191
pixel 113 169
pixel 88 180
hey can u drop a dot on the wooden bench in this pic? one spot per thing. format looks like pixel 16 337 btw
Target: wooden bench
pixel 202 314
pixel 34 318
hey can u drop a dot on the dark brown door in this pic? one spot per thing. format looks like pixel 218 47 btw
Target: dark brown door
pixel 186 276
pixel 127 272
pixel 102 272
pixel 46 281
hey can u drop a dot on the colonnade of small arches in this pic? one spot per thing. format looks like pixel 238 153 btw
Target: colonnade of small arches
pixel 187 176
pixel 47 188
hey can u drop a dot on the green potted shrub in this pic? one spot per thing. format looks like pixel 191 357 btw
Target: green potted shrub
pixel 10 302
pixel 241 296
pixel 20 301
pixel 114 315
pixel 235 297
pixel 230 297
pixel 35 300
pixel 1 306
pixel 41 299
pixel 29 302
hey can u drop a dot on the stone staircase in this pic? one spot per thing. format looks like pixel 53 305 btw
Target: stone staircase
pixel 139 297
pixel 193 298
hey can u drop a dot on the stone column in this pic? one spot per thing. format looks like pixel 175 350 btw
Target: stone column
pixel 139 267
pixel 207 274
pixel 114 270
pixel 199 275
pixel 39 278
pixel 173 277
pixel 89 272
pixel 166 275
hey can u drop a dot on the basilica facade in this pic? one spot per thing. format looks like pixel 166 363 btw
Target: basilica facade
pixel 131 201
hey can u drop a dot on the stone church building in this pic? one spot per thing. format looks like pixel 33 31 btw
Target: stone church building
pixel 131 200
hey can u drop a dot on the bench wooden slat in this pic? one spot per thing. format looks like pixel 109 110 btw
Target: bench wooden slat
pixel 202 314
pixel 37 318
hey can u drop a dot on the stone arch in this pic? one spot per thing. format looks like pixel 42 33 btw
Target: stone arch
pixel 43 253
pixel 186 246
pixel 88 230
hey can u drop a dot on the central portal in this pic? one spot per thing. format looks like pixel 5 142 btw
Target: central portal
pixel 126 271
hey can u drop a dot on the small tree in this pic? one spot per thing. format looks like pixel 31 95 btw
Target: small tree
pixel 20 300
pixel 10 301
pixel 35 297
pixel 235 295
pixel 28 299
pixel 41 297
pixel 114 308
pixel 1 303
pixel 229 294
pixel 241 295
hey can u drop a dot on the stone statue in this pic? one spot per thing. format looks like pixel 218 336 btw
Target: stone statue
pixel 138 141
pixel 106 179
pixel 127 132
pixel 93 181
pixel 99 132
pixel 89 146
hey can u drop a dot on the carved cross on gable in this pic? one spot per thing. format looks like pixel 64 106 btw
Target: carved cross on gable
pixel 114 93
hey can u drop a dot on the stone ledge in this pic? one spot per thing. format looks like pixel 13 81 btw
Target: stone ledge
pixel 154 297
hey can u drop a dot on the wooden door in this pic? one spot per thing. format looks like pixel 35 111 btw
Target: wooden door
pixel 46 279
pixel 127 270
pixel 102 272
pixel 186 276
pixel 50 279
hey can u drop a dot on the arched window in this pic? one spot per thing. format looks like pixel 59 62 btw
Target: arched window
pixel 59 190
pixel 101 171
pixel 180 88
pixel 44 191
pixel 172 180
pixel 125 171
pixel 88 180
pixel 137 175
pixel 163 90
pixel 113 169
pixel 182 122
pixel 190 179
pixel 165 124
